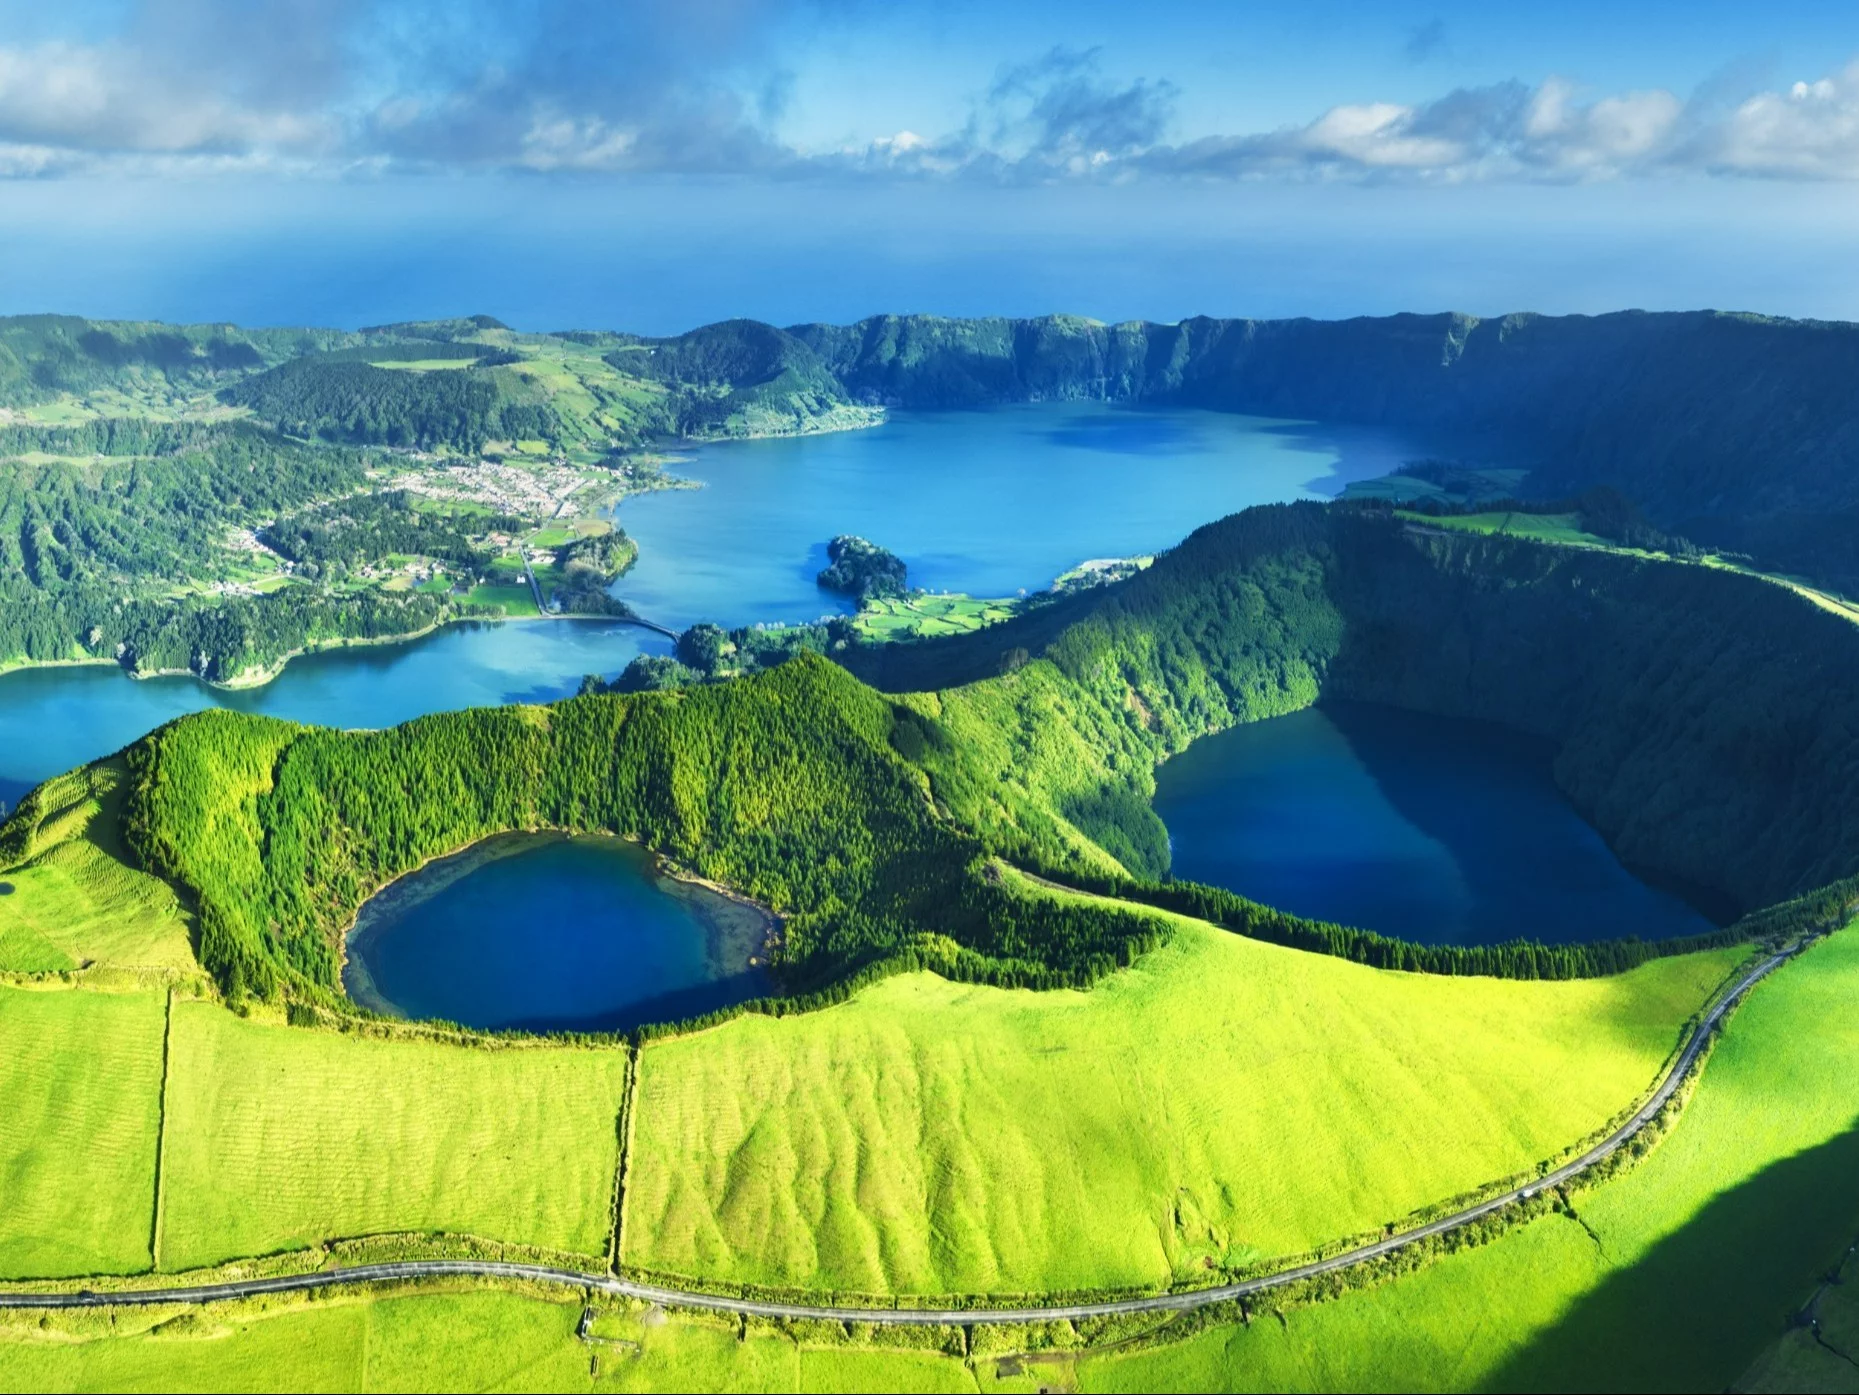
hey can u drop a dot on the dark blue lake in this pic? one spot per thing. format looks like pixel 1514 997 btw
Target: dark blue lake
pixel 548 932
pixel 1441 831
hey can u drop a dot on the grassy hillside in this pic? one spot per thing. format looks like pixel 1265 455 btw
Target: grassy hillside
pixel 280 1138
pixel 74 900
pixel 1676 1276
pixel 80 1073
pixel 1180 1117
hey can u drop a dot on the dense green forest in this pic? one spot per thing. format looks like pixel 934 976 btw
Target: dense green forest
pixel 786 785
pixel 337 398
pixel 367 526
pixel 856 567
pixel 738 377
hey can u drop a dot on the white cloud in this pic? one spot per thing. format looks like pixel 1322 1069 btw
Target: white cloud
pixel 202 86
pixel 1810 131
pixel 82 100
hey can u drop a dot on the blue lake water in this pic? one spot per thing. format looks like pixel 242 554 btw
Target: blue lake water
pixel 546 932
pixel 1434 830
pixel 986 502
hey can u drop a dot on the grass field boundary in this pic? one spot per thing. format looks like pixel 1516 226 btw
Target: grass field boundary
pixel 623 1127
pixel 161 1132
pixel 1402 1249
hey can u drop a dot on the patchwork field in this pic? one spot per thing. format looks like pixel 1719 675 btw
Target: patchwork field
pixel 1224 1101
pixel 80 1082
pixel 280 1137
pixel 1764 1153
pixel 1562 528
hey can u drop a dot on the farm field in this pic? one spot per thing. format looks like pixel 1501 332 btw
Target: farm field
pixel 281 1137
pixel 475 1339
pixel 1672 1256
pixel 80 1072
pixel 1562 528
pixel 927 616
pixel 1225 1101
pixel 1668 1281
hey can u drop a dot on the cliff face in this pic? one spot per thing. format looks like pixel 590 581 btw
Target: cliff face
pixel 1704 719
pixel 1737 430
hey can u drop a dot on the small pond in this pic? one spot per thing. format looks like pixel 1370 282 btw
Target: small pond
pixel 1436 830
pixel 548 932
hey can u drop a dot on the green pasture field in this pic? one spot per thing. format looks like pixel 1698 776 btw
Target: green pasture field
pixel 74 901
pixel 280 1137
pixel 80 1108
pixel 517 600
pixel 1224 1101
pixel 1538 527
pixel 475 1339
pixel 1676 1275
pixel 928 616
pixel 1545 1307
pixel 1800 1360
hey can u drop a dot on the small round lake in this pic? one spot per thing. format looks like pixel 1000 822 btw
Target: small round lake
pixel 1435 830
pixel 547 932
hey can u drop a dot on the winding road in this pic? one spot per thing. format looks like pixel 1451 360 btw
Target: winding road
pixel 404 1270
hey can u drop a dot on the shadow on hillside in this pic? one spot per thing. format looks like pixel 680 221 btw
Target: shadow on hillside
pixel 914 666
pixel 1702 1303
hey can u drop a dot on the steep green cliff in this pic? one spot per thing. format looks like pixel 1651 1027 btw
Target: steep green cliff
pixel 1703 717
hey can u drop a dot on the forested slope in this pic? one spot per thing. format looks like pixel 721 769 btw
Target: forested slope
pixel 785 785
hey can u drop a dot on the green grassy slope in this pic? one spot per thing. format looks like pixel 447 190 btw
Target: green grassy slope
pixel 74 899
pixel 469 1340
pixel 279 1138
pixel 80 1104
pixel 1697 1256
pixel 1222 1103
pixel 1703 716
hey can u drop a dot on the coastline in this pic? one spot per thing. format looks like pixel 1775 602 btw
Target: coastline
pixel 257 678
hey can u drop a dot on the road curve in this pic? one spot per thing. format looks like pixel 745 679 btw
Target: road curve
pixel 403 1270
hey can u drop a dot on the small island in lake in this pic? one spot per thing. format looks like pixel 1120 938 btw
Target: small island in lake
pixel 863 569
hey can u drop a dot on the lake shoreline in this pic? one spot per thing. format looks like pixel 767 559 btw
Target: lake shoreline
pixel 252 679
pixel 357 980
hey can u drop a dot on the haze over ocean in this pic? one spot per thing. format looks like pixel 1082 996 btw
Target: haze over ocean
pixel 655 167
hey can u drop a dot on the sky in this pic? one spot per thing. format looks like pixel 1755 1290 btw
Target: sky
pixel 653 166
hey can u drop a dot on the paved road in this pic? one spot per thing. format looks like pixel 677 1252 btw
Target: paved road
pixel 917 1317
